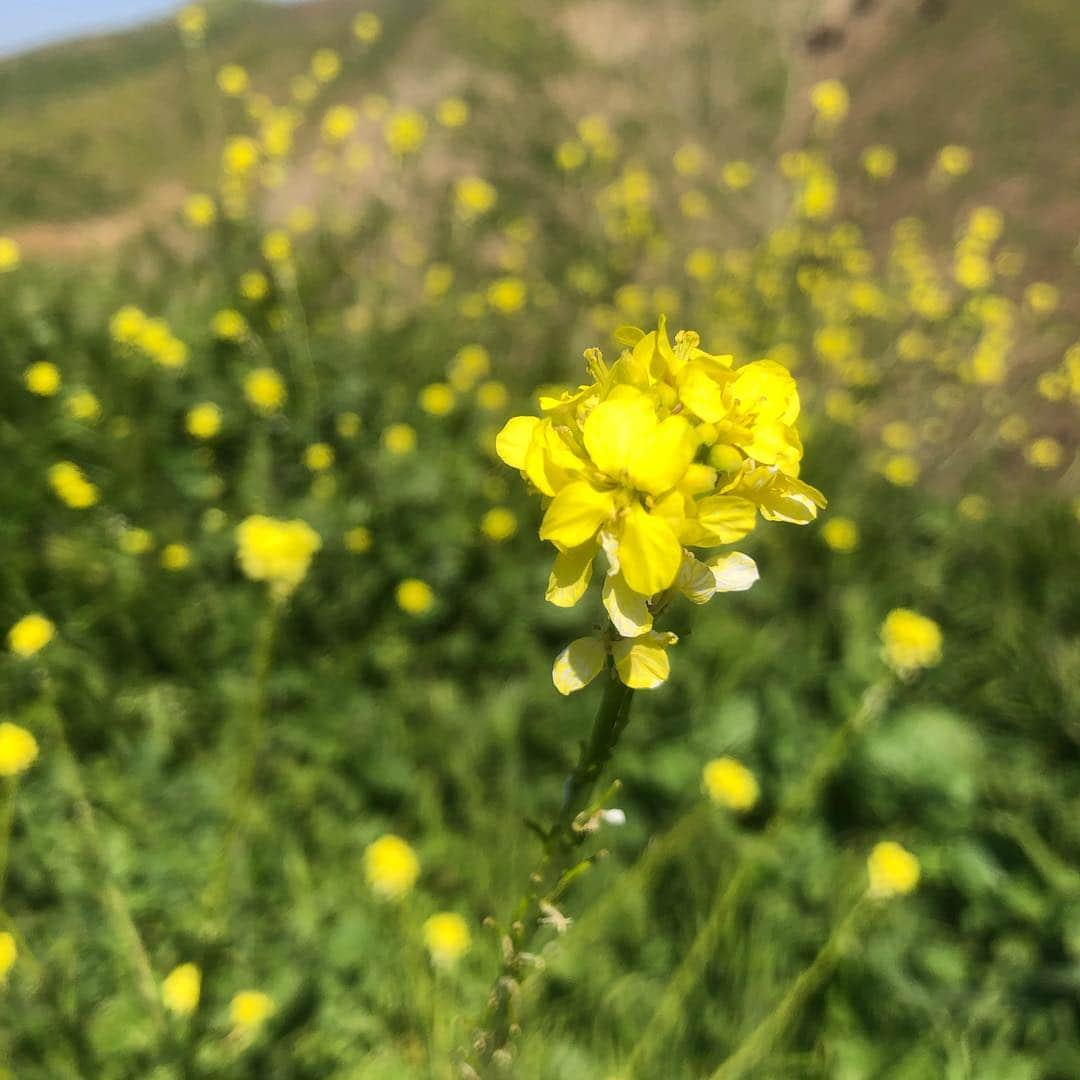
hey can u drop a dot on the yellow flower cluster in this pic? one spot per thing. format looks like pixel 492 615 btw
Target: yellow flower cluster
pixel 911 641
pixel 391 867
pixel 893 870
pixel 668 448
pixel 71 486
pixel 30 634
pixel 447 938
pixel 132 328
pixel 18 749
pixel 277 552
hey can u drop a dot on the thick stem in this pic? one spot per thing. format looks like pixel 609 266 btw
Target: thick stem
pixel 560 847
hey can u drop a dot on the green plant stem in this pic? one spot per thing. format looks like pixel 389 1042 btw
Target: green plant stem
pixel 8 789
pixel 112 896
pixel 705 943
pixel 561 842
pixel 758 1043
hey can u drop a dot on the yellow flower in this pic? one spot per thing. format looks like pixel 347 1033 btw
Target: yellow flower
pixel 498 524
pixel 239 156
pixel 841 534
pixel 911 641
pixel 737 175
pixel 18 749
pixel 391 867
pixel 10 256
pixel 70 484
pixel 366 27
pixel 892 869
pixel 730 783
pixel 277 247
pixel 452 112
pixel 42 378
pixel 203 421
pixel 1042 298
pixel 325 65
pixel 358 540
pixel 126 324
pixel 470 362
pixel 249 1009
pixel 136 541
pixel 974 507
pixel 229 325
pixel 570 155
pixel 254 285
pixel 437 280
pixel 437 399
pixel 9 953
pixel 491 395
pixel 405 132
pixel 474 196
pixel 232 80
pixel 200 211
pixel 506 295
pixel 275 551
pixel 447 938
pixel 689 159
pixel 901 470
pixel 830 101
pixel 1044 453
pixel 399 439
pixel 264 390
pixel 414 596
pixel 181 989
pixel 83 405
pixel 347 425
pixel 319 457
pixel 192 21
pixel 338 123
pixel 954 160
pixel 176 557
pixel 879 161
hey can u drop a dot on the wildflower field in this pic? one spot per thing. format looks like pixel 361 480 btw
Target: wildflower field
pixel 542 539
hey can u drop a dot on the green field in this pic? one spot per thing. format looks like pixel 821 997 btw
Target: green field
pixel 215 760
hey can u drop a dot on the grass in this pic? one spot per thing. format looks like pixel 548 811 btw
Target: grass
pixel 194 734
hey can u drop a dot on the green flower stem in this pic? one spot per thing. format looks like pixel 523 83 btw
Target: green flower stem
pixel 8 787
pixel 112 896
pixel 251 740
pixel 561 842
pixel 705 945
pixel 758 1043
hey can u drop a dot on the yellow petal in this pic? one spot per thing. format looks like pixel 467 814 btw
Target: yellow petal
pixel 571 574
pixel 615 428
pixel 550 462
pixel 702 394
pixel 723 519
pixel 661 459
pixel 578 664
pixel 649 551
pixel 629 610
pixel 642 663
pixel 695 581
pixel 575 514
pixel 735 572
pixel 512 443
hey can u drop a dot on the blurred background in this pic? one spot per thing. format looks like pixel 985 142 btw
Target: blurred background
pixel 417 213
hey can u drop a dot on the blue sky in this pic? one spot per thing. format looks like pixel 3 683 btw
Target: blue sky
pixel 27 23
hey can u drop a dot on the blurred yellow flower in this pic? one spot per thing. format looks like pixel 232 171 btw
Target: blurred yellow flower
pixel 239 156
pixel 893 870
pixel 570 155
pixel 470 362
pixel 414 596
pixel 175 557
pixel 901 470
pixel 358 540
pixel 181 988
pixel 42 378
pixel 689 159
pixel 437 399
pixel 399 439
pixel 319 457
pixel 275 551
pixel 366 27
pixel 18 749
pixel 452 112
pixel 841 534
pixel 254 285
pixel 1042 298
pixel 338 123
pixel 326 65
pixel 126 324
pixel 347 425
pixel 911 641
pixel 830 100
pixel 390 867
pixel 71 486
pixel 200 211
pixel 506 295
pixel 9 953
pixel 30 634
pixel 264 390
pixel 277 246
pixel 405 132
pixel 1044 453
pixel 203 421
pixel 83 405
pixel 249 1009
pixel 974 507
pixel 229 325
pixel 474 196
pixel 730 783
pixel 191 20
pixel 737 175
pixel 135 540
pixel 232 80
pixel 498 524
pixel 879 161
pixel 491 395
pixel 10 255
pixel 954 160
pixel 447 938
